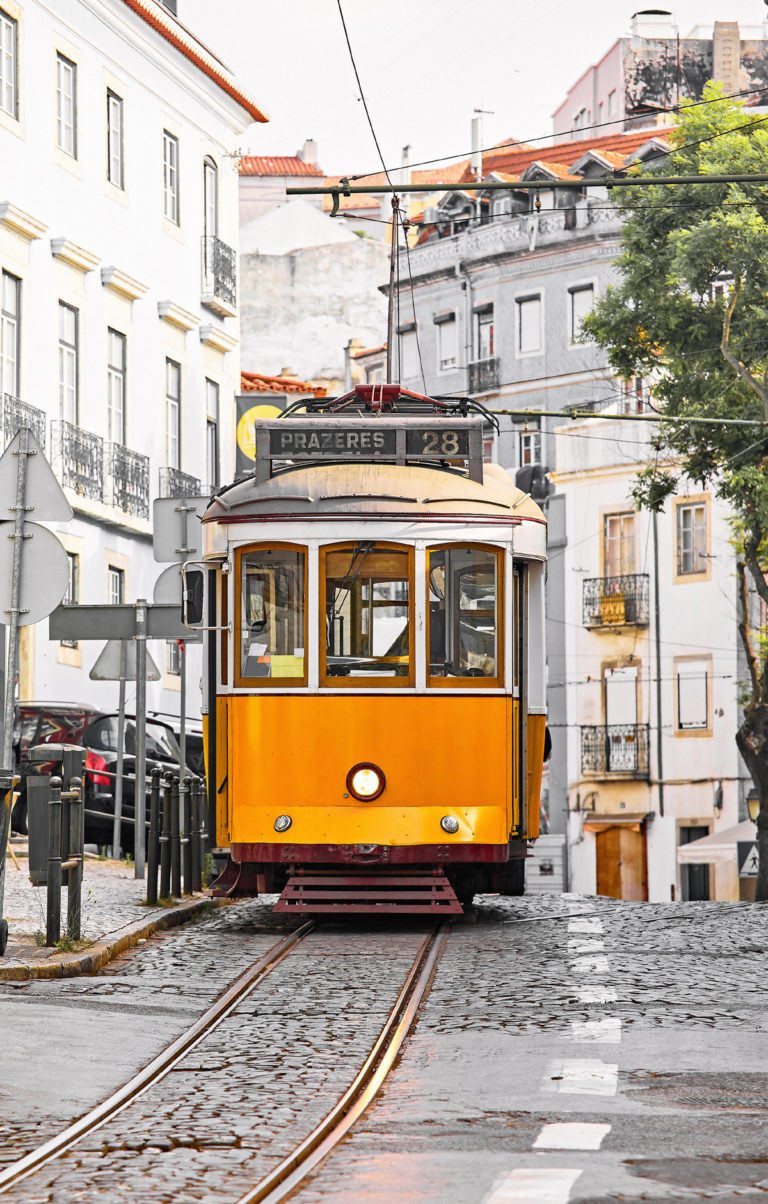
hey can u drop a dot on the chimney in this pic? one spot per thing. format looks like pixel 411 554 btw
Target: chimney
pixel 476 162
pixel 726 54
pixel 653 23
pixel 308 152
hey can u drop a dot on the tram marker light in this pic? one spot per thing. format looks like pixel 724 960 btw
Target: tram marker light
pixel 283 823
pixel 449 823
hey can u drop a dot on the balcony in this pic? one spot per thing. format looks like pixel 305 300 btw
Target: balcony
pixel 175 483
pixel 610 602
pixel 15 414
pixel 128 476
pixel 78 459
pixel 219 276
pixel 616 749
pixel 484 375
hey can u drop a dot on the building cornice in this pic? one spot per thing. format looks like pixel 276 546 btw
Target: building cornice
pixel 22 223
pixel 122 284
pixel 169 311
pixel 76 256
pixel 214 336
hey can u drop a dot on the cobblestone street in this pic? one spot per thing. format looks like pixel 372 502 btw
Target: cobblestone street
pixel 570 1048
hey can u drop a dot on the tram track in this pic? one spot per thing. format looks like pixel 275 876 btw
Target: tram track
pixel 284 1177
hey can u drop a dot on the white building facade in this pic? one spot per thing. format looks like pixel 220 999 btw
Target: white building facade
pixel 120 328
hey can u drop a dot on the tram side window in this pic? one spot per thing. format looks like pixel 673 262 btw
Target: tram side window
pixel 272 613
pixel 463 613
pixel 367 612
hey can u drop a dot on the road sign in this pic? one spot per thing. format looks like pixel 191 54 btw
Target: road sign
pixel 169 586
pixel 44 495
pixel 177 530
pixel 44 578
pixel 108 664
pixel 747 856
pixel 117 622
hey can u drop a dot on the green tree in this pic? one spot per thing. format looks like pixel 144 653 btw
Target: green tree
pixel 690 313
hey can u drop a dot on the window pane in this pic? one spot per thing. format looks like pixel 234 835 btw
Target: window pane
pixel 366 612
pixel 619 545
pixel 485 335
pixel 114 139
pixel 10 334
pixel 529 325
pixel 65 105
pixel 272 614
pixel 463 613
pixel 448 340
pixel 581 304
pixel 171 177
pixel 7 64
pixel 691 538
pixel 692 688
pixel 68 363
pixel 409 353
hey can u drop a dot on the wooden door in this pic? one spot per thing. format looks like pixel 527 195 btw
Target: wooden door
pixel 622 863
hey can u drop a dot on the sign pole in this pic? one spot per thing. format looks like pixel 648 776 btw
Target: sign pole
pixel 139 793
pixel 116 830
pixel 6 772
pixel 183 708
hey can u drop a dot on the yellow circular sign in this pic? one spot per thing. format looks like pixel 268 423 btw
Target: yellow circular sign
pixel 246 439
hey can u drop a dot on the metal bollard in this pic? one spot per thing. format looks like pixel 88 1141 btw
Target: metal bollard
pixel 165 838
pixel 74 861
pixel 185 814
pixel 53 917
pixel 175 841
pixel 194 808
pixel 154 846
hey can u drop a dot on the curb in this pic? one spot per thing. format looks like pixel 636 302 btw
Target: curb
pixel 110 945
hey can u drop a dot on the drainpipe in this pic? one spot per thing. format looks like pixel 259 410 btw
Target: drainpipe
pixel 463 275
pixel 657 634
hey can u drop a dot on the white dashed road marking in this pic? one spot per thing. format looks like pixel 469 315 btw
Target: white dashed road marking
pixel 590 925
pixel 596 994
pixel 571 1136
pixel 608 1030
pixel 596 964
pixel 535 1186
pixel 582 1076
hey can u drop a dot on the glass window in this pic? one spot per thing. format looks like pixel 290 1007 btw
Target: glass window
pixel 409 354
pixel 115 386
pixel 172 414
pixel 173 655
pixel 464 625
pixel 530 447
pixel 8 60
pixel 367 613
pixel 212 433
pixel 618 545
pixel 68 373
pixel 66 106
pixel 484 334
pixel 210 198
pixel 115 140
pixel 582 300
pixel 171 177
pixel 528 325
pixel 10 334
pixel 72 596
pixel 692 694
pixel 691 538
pixel 448 344
pixel 635 395
pixel 271 621
pixel 115 585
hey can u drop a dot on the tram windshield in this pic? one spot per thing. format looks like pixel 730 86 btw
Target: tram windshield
pixel 367 611
pixel 272 613
pixel 463 612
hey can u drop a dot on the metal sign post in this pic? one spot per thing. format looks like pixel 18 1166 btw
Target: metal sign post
pixel 139 785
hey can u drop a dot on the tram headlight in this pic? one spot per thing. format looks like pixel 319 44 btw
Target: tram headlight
pixel 449 823
pixel 283 823
pixel 365 781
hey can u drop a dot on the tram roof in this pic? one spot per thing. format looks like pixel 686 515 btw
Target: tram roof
pixel 374 489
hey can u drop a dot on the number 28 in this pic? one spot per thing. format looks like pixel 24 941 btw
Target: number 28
pixel 444 443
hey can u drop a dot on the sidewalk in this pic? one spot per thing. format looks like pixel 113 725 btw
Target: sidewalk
pixel 114 917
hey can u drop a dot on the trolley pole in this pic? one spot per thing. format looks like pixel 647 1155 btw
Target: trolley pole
pixel 391 297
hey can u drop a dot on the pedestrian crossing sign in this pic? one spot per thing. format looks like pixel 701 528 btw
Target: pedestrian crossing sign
pixel 746 851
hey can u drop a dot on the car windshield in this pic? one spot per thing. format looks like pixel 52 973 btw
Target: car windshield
pixel 161 741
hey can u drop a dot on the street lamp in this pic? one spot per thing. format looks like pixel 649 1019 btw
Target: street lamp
pixel 753 798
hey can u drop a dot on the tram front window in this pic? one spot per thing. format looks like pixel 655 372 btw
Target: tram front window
pixel 272 613
pixel 463 613
pixel 367 612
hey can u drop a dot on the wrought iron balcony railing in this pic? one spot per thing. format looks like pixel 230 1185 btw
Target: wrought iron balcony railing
pixel 175 483
pixel 483 375
pixel 219 271
pixel 616 601
pixel 78 459
pixel 615 748
pixel 128 480
pixel 15 414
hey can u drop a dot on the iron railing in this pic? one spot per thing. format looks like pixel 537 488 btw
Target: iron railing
pixel 128 474
pixel 615 748
pixel 219 270
pixel 614 601
pixel 15 414
pixel 483 375
pixel 175 483
pixel 78 459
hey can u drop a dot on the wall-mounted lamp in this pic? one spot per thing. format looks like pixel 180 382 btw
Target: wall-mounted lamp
pixel 753 798
pixel 717 801
pixel 589 802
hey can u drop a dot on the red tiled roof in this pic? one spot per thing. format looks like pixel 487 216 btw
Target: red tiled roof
pixel 515 161
pixel 166 24
pixel 257 382
pixel 277 165
pixel 367 351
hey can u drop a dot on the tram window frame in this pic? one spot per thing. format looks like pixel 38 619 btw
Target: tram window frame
pixel 471 683
pixel 374 681
pixel 268 683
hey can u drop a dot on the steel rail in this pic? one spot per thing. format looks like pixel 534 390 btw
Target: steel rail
pixel 157 1068
pixel 285 1177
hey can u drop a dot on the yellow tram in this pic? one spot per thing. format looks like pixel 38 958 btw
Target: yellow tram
pixel 374 684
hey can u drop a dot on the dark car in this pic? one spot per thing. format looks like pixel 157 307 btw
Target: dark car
pixel 96 731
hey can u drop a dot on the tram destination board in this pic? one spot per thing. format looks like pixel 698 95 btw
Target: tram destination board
pixel 358 442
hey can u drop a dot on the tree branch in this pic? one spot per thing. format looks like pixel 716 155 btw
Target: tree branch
pixel 740 369
pixel 746 639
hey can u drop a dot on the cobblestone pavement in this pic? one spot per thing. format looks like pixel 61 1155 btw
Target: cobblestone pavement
pixel 570 1048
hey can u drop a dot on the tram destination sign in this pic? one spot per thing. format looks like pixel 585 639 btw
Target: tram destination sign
pixel 365 442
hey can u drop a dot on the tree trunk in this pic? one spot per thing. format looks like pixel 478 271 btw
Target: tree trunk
pixel 752 743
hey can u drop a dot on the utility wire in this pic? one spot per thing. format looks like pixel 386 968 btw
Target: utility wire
pixel 360 89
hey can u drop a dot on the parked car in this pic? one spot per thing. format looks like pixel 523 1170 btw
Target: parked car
pixel 96 731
